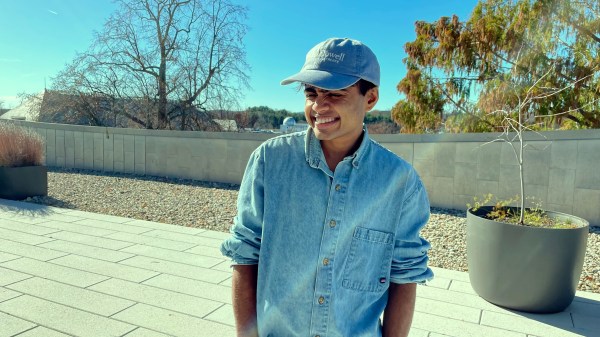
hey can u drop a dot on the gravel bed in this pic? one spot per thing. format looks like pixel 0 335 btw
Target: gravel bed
pixel 213 205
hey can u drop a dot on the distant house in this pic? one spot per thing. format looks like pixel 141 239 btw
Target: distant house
pixel 227 125
pixel 26 111
pixel 98 110
pixel 56 107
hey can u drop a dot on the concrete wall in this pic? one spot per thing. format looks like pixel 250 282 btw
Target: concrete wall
pixel 562 168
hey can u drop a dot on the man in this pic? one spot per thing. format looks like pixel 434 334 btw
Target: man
pixel 327 232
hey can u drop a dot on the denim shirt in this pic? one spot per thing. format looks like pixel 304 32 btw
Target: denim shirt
pixel 328 244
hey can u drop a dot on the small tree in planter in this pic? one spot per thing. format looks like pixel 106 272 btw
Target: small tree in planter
pixel 523 258
pixel 22 173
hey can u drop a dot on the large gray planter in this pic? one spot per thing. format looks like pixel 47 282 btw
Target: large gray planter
pixel 18 183
pixel 525 268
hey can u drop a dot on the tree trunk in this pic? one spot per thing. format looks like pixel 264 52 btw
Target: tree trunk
pixel 162 95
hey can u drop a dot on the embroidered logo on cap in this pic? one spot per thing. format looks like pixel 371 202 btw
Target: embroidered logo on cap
pixel 330 57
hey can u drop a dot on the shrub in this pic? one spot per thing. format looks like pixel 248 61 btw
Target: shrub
pixel 20 146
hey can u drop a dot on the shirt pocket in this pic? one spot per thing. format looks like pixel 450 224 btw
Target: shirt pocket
pixel 369 260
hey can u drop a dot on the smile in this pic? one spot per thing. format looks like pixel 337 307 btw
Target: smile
pixel 324 120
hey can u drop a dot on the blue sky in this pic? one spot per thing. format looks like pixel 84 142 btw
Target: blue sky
pixel 40 36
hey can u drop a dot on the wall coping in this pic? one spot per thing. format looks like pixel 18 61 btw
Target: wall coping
pixel 383 138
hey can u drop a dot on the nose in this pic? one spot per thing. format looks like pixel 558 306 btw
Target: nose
pixel 319 104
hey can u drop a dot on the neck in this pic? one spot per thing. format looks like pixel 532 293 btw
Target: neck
pixel 335 152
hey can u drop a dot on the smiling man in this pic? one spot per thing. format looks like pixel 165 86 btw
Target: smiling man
pixel 326 238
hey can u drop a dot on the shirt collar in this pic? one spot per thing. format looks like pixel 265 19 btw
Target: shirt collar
pixel 314 152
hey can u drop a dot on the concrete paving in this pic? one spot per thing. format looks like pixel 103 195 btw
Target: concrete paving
pixel 71 273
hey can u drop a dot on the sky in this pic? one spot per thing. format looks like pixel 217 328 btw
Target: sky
pixel 38 37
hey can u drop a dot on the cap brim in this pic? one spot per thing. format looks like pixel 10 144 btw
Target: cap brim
pixel 322 79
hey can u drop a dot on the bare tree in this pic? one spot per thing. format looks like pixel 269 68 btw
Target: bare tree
pixel 161 63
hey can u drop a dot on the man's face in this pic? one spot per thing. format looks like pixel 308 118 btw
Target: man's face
pixel 337 116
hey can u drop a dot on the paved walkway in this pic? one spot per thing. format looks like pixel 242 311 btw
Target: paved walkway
pixel 73 273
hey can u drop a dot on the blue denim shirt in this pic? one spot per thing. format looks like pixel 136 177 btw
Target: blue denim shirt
pixel 328 244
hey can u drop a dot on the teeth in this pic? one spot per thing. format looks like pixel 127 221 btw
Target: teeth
pixel 321 120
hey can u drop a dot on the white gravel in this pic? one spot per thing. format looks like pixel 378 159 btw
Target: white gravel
pixel 213 206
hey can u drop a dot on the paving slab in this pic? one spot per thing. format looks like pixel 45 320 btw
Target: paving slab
pixel 41 331
pixel 105 268
pixel 14 225
pixel 449 310
pixel 199 240
pixel 54 272
pixel 87 251
pixel 22 237
pixel 25 218
pixel 141 332
pixel 211 291
pixel 174 256
pixel 414 332
pixel 462 287
pixel 51 215
pixel 452 327
pixel 25 250
pixel 555 325
pixel 166 227
pixel 103 217
pixel 91 240
pixel 142 293
pixel 7 294
pixel 178 269
pixel 62 318
pixel 173 323
pixel 151 241
pixel 112 226
pixel 205 250
pixel 75 297
pixel 7 257
pixel 77 228
pixel 8 276
pixel 439 282
pixel 224 315
pixel 12 325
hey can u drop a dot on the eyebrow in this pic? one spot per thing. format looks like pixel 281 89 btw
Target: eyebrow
pixel 310 88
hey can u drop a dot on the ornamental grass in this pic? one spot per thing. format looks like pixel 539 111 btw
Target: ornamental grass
pixel 20 146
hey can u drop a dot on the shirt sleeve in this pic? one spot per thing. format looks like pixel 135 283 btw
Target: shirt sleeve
pixel 243 247
pixel 409 261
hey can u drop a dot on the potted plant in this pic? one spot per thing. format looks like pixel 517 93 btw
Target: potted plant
pixel 22 173
pixel 519 256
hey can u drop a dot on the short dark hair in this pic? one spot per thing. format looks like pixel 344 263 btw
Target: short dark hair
pixel 364 86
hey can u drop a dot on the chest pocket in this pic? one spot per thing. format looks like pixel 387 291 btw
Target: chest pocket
pixel 369 260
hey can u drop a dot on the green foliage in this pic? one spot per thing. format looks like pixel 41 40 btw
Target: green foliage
pixel 460 72
pixel 267 118
pixel 505 210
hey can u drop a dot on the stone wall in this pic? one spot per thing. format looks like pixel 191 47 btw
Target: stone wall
pixel 562 168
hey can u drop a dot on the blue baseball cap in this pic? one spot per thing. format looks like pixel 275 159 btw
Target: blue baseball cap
pixel 336 64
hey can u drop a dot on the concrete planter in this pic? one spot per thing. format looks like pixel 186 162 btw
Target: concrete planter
pixel 525 268
pixel 18 183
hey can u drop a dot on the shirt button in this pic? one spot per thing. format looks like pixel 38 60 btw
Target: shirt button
pixel 321 300
pixel 325 261
pixel 332 223
pixel 338 187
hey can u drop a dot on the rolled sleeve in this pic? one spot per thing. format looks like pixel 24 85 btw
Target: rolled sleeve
pixel 243 247
pixel 409 261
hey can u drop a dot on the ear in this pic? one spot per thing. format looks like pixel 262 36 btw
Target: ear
pixel 372 96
